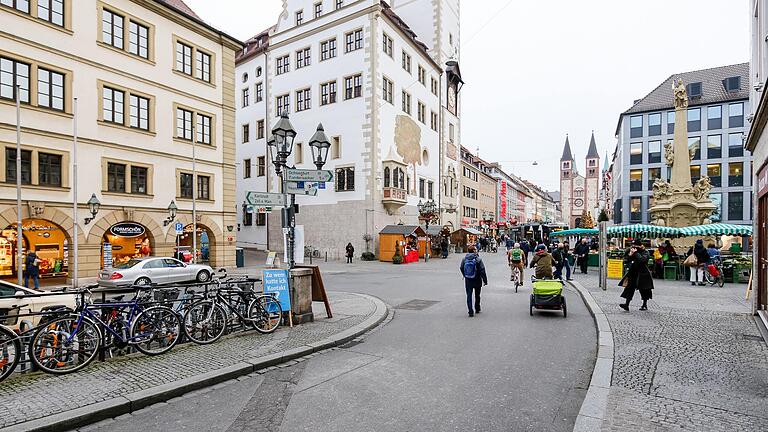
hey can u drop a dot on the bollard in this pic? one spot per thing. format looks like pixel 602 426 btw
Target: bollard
pixel 326 256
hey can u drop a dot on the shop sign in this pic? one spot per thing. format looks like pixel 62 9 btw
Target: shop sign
pixel 127 229
pixel 615 269
pixel 762 181
pixel 107 256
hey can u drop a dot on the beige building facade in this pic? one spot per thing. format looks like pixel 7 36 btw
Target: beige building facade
pixel 152 84
pixel 477 202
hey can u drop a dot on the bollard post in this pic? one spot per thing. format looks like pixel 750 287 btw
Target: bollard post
pixel 603 245
pixel 326 256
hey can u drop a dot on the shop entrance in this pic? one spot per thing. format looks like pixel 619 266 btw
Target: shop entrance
pixel 48 240
pixel 184 243
pixel 123 241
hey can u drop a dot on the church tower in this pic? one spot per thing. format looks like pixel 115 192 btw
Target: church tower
pixel 567 173
pixel 592 192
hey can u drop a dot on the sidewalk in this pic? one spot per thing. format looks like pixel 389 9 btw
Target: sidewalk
pixel 112 388
pixel 695 361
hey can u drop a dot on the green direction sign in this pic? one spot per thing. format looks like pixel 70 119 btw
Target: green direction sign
pixel 265 199
pixel 299 175
pixel 302 188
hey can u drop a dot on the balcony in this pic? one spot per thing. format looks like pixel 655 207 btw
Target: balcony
pixel 394 198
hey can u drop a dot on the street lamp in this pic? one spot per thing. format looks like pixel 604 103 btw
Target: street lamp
pixel 172 209
pixel 320 145
pixel 427 213
pixel 280 147
pixel 93 206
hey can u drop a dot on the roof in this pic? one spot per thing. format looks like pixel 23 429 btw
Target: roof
pixel 389 13
pixel 567 155
pixel 555 196
pixel 405 230
pixel 254 46
pixel 592 153
pixel 469 231
pixel 433 230
pixel 181 6
pixel 712 89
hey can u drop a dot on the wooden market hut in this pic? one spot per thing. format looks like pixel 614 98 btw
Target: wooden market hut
pixel 463 237
pixel 394 235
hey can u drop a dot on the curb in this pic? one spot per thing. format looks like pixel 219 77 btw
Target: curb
pixel 135 401
pixel 593 409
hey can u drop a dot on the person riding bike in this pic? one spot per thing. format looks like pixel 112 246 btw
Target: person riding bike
pixel 515 260
pixel 543 262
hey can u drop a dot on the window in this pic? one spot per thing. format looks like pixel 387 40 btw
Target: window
pixel 694 143
pixel 318 9
pixel 636 153
pixel 202 66
pixel 112 28
pixel 184 124
pixel 435 86
pixel 736 174
pixel 50 10
pixel 451 132
pixel 422 188
pixel 336 147
pixel 354 40
pixel 422 75
pixel 246 168
pixel 636 126
pixel 283 64
pixel 115 177
pixel 260 129
pixel 670 122
pixel 303 58
pixel 247 215
pixel 113 105
pixel 328 49
pixel 259 92
pixel 714 174
pixel 654 124
pixel 283 104
pixel 406 102
pixel 299 17
pixel 636 180
pixel 183 58
pixel 261 166
pixel 246 97
pixel 20 5
pixel 694 90
pixel 258 71
pixel 12 74
pixel 694 119
pixel 138 180
pixel 138 40
pixel 261 219
pixel 353 86
pixel 653 175
pixel 695 173
pixel 50 89
pixel 736 115
pixel 328 93
pixel 407 62
pixel 203 187
pixel 139 114
pixel 732 84
pixel 714 117
pixel 246 133
pixel 735 206
pixel 717 200
pixel 345 179
pixel 430 190
pixel 387 45
pixel 433 121
pixel 203 129
pixel 339 4
pixel 49 169
pixel 298 154
pixel 10 166
pixel 387 177
pixel 421 113
pixel 185 185
pixel 735 145
pixel 635 209
pixel 303 100
pixel 714 146
pixel 387 90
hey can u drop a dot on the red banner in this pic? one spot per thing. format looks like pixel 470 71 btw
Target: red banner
pixel 503 201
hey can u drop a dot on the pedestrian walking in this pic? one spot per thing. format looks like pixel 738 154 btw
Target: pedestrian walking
pixel 702 259
pixel 525 248
pixel 444 247
pixel 638 276
pixel 350 252
pixel 32 269
pixel 567 263
pixel 582 254
pixel 473 270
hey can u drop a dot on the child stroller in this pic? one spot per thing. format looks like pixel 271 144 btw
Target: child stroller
pixel 548 294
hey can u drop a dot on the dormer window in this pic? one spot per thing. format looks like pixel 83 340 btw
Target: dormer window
pixel 732 84
pixel 299 17
pixel 694 90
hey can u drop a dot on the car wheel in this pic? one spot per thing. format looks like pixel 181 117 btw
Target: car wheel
pixel 142 281
pixel 203 276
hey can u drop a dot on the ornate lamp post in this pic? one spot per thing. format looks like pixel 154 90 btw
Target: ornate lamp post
pixel 319 145
pixel 427 213
pixel 93 206
pixel 172 209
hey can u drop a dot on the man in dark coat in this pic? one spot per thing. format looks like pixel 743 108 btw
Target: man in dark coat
pixel 582 254
pixel 473 270
pixel 638 276
pixel 702 260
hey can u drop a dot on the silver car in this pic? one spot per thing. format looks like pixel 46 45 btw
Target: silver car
pixel 154 270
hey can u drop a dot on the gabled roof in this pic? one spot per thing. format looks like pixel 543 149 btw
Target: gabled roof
pixel 389 13
pixel 567 155
pixel 605 162
pixel 181 6
pixel 405 230
pixel 592 153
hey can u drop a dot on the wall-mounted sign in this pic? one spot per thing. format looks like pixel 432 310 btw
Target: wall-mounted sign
pixel 127 229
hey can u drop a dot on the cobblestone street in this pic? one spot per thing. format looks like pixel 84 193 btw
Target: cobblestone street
pixel 695 361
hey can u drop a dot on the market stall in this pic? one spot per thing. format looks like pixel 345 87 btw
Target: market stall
pixel 463 237
pixel 410 240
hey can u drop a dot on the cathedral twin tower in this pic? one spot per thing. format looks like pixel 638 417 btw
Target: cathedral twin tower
pixel 579 192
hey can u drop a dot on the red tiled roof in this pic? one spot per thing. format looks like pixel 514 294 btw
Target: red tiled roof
pixel 181 6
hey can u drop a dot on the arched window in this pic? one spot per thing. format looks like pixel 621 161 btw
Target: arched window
pixel 386 176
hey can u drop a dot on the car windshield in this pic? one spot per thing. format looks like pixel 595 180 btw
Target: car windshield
pixel 128 264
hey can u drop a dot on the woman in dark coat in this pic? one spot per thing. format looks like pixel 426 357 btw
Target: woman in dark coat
pixel 350 252
pixel 638 276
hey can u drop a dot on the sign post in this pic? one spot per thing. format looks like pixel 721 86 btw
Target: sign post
pixel 276 281
pixel 300 175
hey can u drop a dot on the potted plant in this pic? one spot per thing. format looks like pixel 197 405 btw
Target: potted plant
pixel 398 258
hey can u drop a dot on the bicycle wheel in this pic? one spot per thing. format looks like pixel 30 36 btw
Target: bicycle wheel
pixel 205 322
pixel 63 346
pixel 266 313
pixel 720 281
pixel 155 330
pixel 10 351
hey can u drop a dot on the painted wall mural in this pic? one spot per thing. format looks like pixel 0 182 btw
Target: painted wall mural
pixel 408 144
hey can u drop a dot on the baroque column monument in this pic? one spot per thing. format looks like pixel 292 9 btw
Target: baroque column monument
pixel 678 202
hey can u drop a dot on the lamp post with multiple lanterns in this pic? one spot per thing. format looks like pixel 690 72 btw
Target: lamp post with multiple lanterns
pixel 427 213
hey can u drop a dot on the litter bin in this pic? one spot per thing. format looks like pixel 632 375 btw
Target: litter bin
pixel 593 260
pixel 239 257
pixel 670 272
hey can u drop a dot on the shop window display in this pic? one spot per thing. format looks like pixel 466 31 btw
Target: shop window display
pixel 47 239
pixel 123 242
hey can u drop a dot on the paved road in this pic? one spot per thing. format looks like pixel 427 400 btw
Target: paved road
pixel 429 369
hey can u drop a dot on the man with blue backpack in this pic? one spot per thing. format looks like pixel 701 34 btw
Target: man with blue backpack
pixel 473 270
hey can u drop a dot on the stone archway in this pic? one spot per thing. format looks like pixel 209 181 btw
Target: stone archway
pixel 98 234
pixel 215 236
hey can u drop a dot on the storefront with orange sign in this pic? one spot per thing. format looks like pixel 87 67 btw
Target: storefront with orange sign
pixel 47 239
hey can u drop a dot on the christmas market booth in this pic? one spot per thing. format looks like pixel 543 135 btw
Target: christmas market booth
pixel 463 237
pixel 410 240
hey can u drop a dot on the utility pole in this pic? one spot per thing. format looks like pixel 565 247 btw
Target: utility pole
pixel 74 195
pixel 19 227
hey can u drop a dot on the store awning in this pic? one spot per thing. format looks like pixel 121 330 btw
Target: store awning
pixel 575 232
pixel 715 229
pixel 471 231
pixel 644 231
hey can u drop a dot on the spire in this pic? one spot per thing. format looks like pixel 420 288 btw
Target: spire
pixel 605 162
pixel 567 155
pixel 592 153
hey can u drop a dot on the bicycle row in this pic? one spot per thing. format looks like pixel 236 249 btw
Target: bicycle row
pixel 153 321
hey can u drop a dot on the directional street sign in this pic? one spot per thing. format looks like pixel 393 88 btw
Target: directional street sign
pixel 303 188
pixel 265 199
pixel 298 175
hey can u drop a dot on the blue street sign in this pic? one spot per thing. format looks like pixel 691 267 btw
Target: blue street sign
pixel 179 228
pixel 276 281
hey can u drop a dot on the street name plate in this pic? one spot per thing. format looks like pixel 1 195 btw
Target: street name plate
pixel 265 199
pixel 302 188
pixel 309 175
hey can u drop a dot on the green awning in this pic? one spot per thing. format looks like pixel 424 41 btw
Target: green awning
pixel 715 230
pixel 575 232
pixel 653 231
pixel 644 231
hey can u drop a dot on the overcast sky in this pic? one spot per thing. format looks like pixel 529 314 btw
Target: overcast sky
pixel 536 70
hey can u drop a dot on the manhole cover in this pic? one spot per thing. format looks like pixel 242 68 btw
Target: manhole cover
pixel 752 338
pixel 416 304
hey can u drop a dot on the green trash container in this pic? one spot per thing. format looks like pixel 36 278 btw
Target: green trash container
pixel 670 272
pixel 239 257
pixel 593 260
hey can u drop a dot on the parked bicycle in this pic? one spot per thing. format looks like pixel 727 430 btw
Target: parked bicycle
pixel 10 351
pixel 713 273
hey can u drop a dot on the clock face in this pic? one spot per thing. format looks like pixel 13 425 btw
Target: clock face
pixel 578 202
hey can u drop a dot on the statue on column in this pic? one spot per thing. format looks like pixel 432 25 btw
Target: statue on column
pixel 681 95
pixel 669 153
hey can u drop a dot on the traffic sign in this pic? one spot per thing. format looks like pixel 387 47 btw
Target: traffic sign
pixel 179 228
pixel 265 199
pixel 303 188
pixel 309 175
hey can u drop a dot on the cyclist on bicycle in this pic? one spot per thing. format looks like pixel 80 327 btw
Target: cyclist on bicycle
pixel 515 259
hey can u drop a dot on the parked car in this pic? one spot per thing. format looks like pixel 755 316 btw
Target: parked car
pixel 153 270
pixel 16 300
